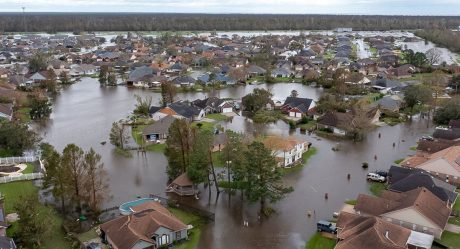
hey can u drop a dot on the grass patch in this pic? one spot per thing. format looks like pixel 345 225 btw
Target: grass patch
pixel 305 156
pixel 377 188
pixel 308 126
pixel 195 233
pixel 450 239
pixel 23 114
pixel 266 116
pixel 456 206
pixel 399 161
pixel 136 133
pixel 12 191
pixel 351 202
pixel 391 121
pixel 217 116
pixel 413 148
pixel 30 169
pixel 320 242
pixel 454 221
pixel 206 126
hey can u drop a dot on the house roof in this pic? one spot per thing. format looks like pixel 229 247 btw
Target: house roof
pixel 359 232
pixel 154 109
pixel 185 109
pixel 182 180
pixel 420 199
pixel 450 155
pixel 336 119
pixel 448 134
pixel 6 109
pixel 159 127
pixel 435 146
pixel 211 102
pixel 282 143
pixel 139 72
pixel 454 124
pixel 303 104
pixel 405 179
pixel 126 231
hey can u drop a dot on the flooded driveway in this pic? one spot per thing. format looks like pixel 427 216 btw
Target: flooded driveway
pixel 83 114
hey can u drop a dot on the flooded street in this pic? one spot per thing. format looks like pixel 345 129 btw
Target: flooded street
pixel 83 114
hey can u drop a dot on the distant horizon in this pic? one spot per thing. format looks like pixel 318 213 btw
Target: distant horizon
pixel 307 7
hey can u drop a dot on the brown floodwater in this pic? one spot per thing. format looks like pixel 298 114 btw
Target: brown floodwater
pixel 83 114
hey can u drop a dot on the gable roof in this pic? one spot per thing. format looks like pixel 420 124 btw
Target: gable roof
pixel 451 156
pixel 159 127
pixel 420 199
pixel 448 134
pixel 303 104
pixel 185 109
pixel 359 232
pixel 404 179
pixel 435 146
pixel 139 72
pixel 6 109
pixel 336 119
pixel 126 231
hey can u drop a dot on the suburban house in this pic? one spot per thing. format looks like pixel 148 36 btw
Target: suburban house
pixel 158 131
pixel 182 186
pixel 6 111
pixel 444 164
pixel 390 103
pixel 254 70
pixel 425 146
pixel 214 105
pixel 405 179
pixel 447 134
pixel 364 232
pixel 149 226
pixel 335 121
pixel 178 110
pixel 287 150
pixel 418 210
pixel 297 107
pixel 39 77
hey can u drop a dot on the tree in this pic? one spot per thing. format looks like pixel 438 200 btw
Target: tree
pixel 111 79
pixel 198 170
pixel 359 125
pixel 328 103
pixel 34 222
pixel 295 46
pixel 103 74
pixel 449 111
pixel 72 158
pixel 118 136
pixel 64 77
pixel 16 138
pixel 96 180
pixel 37 63
pixel 50 84
pixel 40 108
pixel 417 94
pixel 168 92
pixel 294 93
pixel 417 59
pixel 143 105
pixel 56 175
pixel 433 56
pixel 239 74
pixel 178 148
pixel 233 155
pixel 264 178
pixel 256 100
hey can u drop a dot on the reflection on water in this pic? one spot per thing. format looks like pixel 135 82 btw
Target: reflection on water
pixel 83 114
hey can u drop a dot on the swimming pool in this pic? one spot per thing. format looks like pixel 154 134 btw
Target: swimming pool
pixel 125 208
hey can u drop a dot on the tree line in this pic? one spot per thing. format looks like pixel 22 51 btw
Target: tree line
pixel 75 22
pixel 446 38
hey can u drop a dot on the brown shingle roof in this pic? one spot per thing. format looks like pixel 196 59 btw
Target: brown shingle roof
pixel 450 155
pixel 183 180
pixel 359 232
pixel 420 199
pixel 126 231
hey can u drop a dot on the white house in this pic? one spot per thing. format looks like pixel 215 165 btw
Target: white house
pixel 287 151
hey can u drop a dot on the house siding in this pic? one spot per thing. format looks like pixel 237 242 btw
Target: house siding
pixel 143 245
pixel 413 220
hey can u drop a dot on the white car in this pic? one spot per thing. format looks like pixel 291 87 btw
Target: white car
pixel 375 177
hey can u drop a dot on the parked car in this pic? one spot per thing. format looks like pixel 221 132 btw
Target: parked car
pixel 326 226
pixel 93 245
pixel 382 173
pixel 428 138
pixel 375 177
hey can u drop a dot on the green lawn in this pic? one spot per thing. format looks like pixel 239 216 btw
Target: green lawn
pixel 136 133
pixel 23 114
pixel 195 233
pixel 454 220
pixel 320 242
pixel 399 161
pixel 30 169
pixel 351 202
pixel 217 116
pixel 450 239
pixel 305 156
pixel 204 126
pixel 377 188
pixel 308 126
pixel 12 191
pixel 91 234
pixel 456 206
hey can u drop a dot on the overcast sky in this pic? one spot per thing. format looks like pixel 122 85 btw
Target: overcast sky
pixel 383 7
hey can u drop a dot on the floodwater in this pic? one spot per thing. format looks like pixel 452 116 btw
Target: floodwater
pixel 420 46
pixel 363 49
pixel 83 114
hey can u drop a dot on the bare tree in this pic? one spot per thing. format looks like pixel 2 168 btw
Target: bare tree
pixel 433 56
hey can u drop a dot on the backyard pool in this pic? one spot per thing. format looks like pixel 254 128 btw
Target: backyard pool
pixel 125 208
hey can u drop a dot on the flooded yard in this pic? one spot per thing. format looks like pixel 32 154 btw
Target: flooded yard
pixel 83 114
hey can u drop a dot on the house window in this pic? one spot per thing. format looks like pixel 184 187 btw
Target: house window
pixel 164 240
pixel 178 235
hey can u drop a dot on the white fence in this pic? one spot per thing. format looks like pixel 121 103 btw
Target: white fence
pixel 15 160
pixel 31 176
